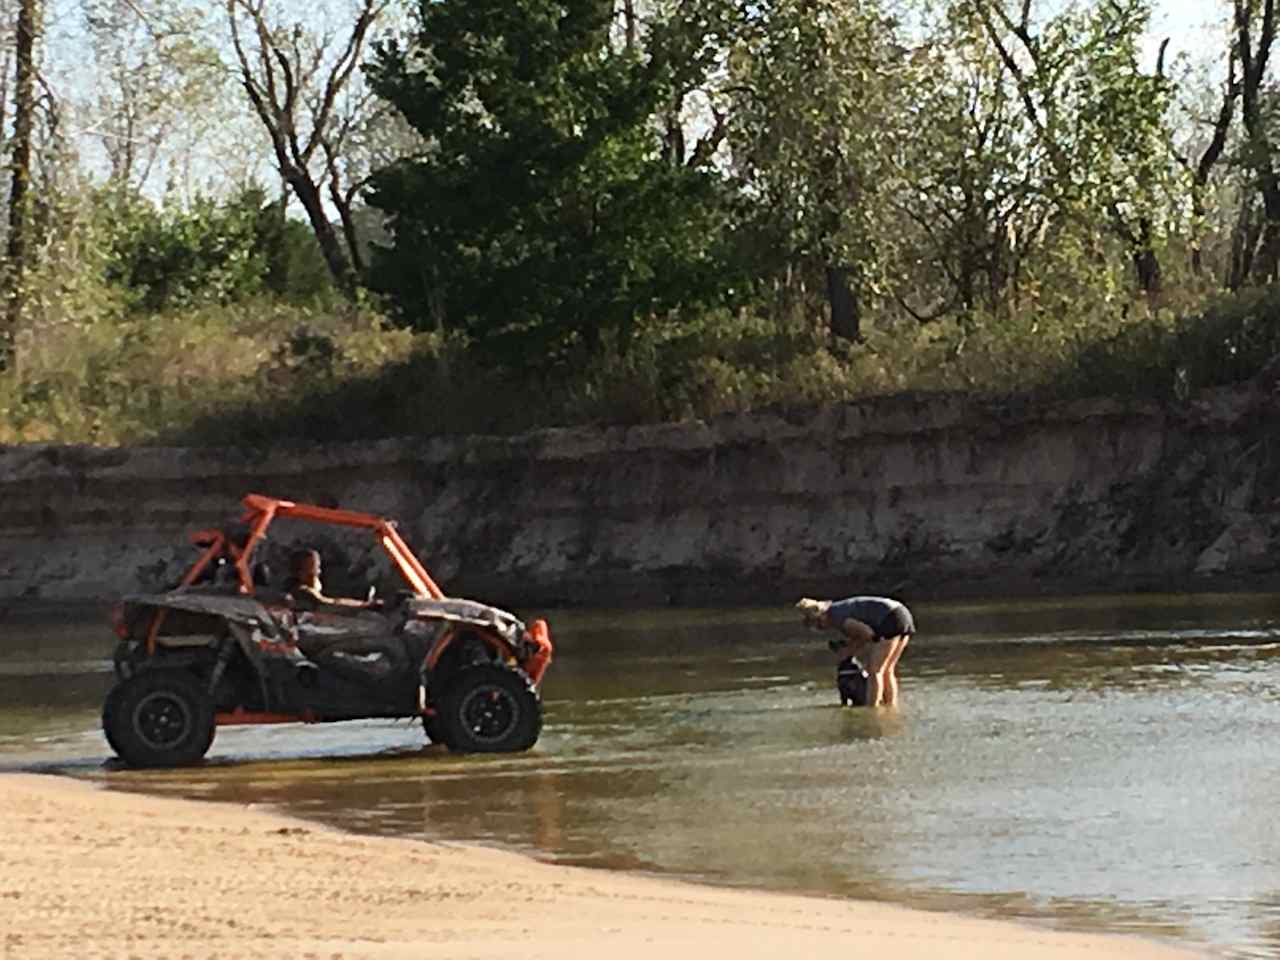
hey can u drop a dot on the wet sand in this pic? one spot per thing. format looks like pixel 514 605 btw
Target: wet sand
pixel 92 873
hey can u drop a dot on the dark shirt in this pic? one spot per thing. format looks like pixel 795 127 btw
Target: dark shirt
pixel 305 597
pixel 885 616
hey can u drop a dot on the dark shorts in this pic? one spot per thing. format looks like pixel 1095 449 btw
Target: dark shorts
pixel 897 623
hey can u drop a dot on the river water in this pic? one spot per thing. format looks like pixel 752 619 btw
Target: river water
pixel 1106 763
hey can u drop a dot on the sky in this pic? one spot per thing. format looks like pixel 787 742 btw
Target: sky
pixel 1193 27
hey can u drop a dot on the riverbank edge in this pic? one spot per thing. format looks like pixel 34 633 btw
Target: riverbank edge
pixel 235 881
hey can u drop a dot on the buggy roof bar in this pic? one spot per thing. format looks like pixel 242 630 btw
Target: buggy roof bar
pixel 261 510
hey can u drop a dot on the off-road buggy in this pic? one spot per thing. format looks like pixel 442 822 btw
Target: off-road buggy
pixel 230 646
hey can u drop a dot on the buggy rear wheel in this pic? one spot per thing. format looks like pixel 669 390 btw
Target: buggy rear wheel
pixel 490 709
pixel 158 718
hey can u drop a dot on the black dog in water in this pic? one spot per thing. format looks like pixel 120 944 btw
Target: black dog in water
pixel 851 681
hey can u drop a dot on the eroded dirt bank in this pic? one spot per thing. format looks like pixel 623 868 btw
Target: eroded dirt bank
pixel 920 496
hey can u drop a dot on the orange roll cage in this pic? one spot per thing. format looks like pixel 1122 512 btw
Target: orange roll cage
pixel 260 511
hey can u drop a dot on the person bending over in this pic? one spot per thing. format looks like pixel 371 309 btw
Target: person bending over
pixel 873 630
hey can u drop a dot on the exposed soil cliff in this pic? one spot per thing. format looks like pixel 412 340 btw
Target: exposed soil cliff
pixel 921 496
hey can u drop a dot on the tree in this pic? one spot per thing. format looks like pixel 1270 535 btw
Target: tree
pixel 967 198
pixel 1255 27
pixel 17 253
pixel 205 252
pixel 151 66
pixel 815 124
pixel 1097 121
pixel 298 84
pixel 542 214
pixel 1211 151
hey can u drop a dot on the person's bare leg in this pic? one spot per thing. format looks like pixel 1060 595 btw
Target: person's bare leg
pixel 876 662
pixel 891 671
pixel 875 689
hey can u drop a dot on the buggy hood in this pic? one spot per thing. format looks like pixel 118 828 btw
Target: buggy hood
pixel 469 611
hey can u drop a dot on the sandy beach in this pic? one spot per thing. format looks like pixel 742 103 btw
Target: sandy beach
pixel 91 873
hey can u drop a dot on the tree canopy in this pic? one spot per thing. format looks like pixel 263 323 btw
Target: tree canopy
pixel 542 213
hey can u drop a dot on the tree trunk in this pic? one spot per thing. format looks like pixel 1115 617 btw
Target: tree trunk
pixel 1267 265
pixel 19 193
pixel 342 203
pixel 1146 263
pixel 308 194
pixel 1253 64
pixel 1244 242
pixel 4 90
pixel 1147 266
pixel 629 19
pixel 846 320
pixel 349 233
pixel 1200 181
pixel 277 78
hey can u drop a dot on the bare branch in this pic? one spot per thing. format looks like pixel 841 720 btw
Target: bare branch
pixel 258 96
pixel 1268 36
pixel 286 111
pixel 346 63
pixel 1011 62
pixel 1221 125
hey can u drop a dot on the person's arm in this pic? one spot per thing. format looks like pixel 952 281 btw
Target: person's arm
pixel 855 640
pixel 310 598
pixel 366 604
pixel 358 604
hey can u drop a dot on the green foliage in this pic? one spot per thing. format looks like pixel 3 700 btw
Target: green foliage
pixel 1169 358
pixel 1097 126
pixel 294 268
pixel 816 122
pixel 264 373
pixel 210 252
pixel 542 216
pixel 185 256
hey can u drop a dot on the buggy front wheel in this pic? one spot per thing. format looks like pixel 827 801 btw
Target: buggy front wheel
pixel 490 709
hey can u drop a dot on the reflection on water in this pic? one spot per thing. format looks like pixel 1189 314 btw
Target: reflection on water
pixel 1103 763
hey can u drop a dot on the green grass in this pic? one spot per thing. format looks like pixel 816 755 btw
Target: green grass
pixel 263 372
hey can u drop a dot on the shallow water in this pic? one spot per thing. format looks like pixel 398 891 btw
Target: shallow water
pixel 1096 763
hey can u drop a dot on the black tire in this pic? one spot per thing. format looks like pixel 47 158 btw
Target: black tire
pixel 434 728
pixel 110 710
pixel 158 718
pixel 490 708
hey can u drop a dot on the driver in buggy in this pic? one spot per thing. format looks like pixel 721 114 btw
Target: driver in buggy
pixel 307 592
pixel 344 636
